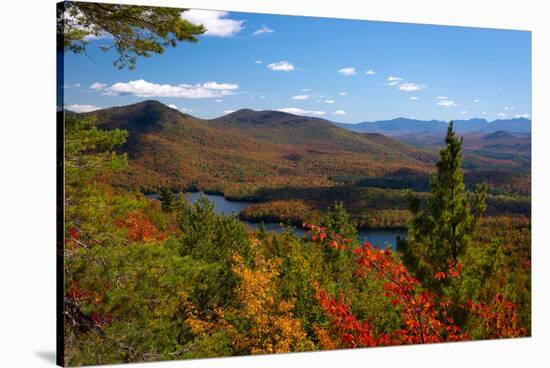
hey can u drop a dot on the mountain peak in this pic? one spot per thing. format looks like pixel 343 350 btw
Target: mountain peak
pixel 148 114
pixel 254 117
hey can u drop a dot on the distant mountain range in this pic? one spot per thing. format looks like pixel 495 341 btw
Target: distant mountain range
pixel 404 126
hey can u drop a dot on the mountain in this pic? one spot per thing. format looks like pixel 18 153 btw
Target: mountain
pixel 519 125
pixel 310 132
pixel 396 127
pixel 243 152
pixel 404 126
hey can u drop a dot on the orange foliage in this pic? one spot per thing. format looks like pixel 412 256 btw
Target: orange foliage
pixel 139 227
pixel 425 317
pixel 499 319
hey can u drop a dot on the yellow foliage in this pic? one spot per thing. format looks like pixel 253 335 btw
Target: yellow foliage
pixel 272 327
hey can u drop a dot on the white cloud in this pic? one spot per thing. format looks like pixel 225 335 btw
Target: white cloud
pixel 392 81
pixel 370 72
pixel 446 103
pixel 414 98
pixel 525 116
pixel 343 93
pixel 214 21
pixel 477 100
pixel 347 71
pixel 502 114
pixel 282 66
pixel 329 101
pixel 258 62
pixel 305 90
pixel 228 111
pixel 464 112
pixel 98 86
pixel 183 109
pixel 219 100
pixel 220 86
pixel 442 98
pixel 402 85
pixel 142 88
pixel 262 30
pixel 508 108
pixel 81 108
pixel 300 97
pixel 484 113
pixel 339 112
pixel 298 111
pixel 410 87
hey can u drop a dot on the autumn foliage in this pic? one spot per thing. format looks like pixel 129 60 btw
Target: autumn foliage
pixel 426 317
pixel 273 328
pixel 140 227
pixel 498 319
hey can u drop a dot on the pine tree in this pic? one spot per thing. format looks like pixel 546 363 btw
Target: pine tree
pixel 438 237
pixel 166 198
pixel 137 31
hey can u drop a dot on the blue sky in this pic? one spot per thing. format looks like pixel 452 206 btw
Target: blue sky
pixel 341 70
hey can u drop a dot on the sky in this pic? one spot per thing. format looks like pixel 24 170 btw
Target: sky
pixel 342 70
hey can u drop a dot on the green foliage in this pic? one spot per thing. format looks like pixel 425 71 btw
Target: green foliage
pixel 303 263
pixel 136 31
pixel 212 238
pixel 337 221
pixel 166 198
pixel 89 151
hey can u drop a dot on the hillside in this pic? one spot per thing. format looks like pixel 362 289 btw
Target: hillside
pixel 240 153
pixel 314 133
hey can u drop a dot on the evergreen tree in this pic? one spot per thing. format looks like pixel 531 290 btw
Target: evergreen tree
pixel 438 237
pixel 166 198
pixel 338 221
pixel 137 31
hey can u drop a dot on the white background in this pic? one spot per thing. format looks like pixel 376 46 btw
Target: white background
pixel 27 181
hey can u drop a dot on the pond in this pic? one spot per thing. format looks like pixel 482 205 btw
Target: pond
pixel 226 207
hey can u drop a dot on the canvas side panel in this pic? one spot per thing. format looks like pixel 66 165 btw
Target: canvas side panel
pixel 60 219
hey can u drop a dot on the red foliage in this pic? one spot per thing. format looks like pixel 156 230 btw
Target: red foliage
pixel 101 319
pixel 499 319
pixel 71 237
pixel 76 293
pixel 139 227
pixel 350 331
pixel 424 317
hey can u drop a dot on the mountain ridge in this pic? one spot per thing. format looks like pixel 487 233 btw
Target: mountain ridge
pixel 248 149
pixel 404 126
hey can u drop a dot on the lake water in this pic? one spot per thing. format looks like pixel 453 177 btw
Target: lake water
pixel 226 207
